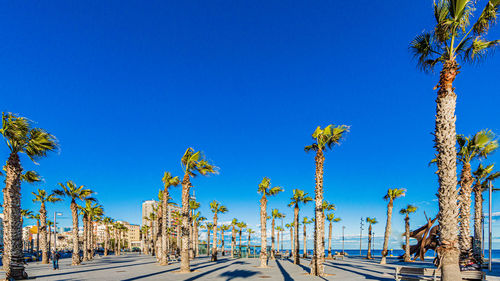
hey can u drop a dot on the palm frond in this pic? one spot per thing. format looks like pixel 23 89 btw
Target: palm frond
pixel 425 51
pixel 478 49
pixel 487 18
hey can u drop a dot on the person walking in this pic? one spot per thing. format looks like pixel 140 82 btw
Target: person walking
pixel 55 259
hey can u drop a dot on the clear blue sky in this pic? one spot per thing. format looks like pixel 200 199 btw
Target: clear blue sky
pixel 127 86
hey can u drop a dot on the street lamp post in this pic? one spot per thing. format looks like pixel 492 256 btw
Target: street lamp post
pixel 55 229
pixel 360 235
pixel 490 189
pixel 343 228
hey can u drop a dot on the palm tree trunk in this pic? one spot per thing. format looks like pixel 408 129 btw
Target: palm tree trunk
pixel 164 238
pixel 191 236
pixel 369 253
pixel 278 236
pixel 186 185
pixel 196 237
pixel 387 231
pixel 214 249
pixel 272 239
pixel 263 231
pixel 208 241
pixel 75 257
pixel 478 216
pixel 37 237
pixel 296 256
pixel 330 240
pixel 445 139
pixel 222 241
pixel 248 244
pixel 305 242
pixel 179 236
pixel 13 229
pixel 106 240
pixel 464 241
pixel 407 257
pixel 233 242
pixel 85 238
pixel 317 267
pixel 292 244
pixel 43 230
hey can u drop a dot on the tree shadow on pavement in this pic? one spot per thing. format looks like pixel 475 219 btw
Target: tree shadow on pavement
pixel 367 276
pixel 238 273
pixel 285 274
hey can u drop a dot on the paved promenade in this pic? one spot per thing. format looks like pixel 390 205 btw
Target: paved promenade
pixel 141 267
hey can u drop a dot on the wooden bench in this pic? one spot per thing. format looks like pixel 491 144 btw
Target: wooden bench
pixel 172 258
pixel 278 256
pixel 338 257
pixel 434 274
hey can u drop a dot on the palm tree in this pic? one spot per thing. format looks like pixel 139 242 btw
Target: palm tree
pixel 391 195
pixel 280 231
pixel 193 206
pixel 299 196
pixel 25 213
pixel 20 137
pixel 241 225
pixel 144 231
pixel 37 218
pixel 292 244
pixel 250 232
pixel 482 175
pixel 42 197
pixel 197 219
pixel 266 190
pixel 323 139
pixel 209 226
pixel 50 224
pixel 370 222
pixel 469 148
pixel 168 181
pixel 407 211
pixel 275 214
pixel 454 37
pixel 75 193
pixel 234 223
pixel 305 222
pixel 223 228
pixel 216 208
pixel 90 211
pixel 331 218
pixel 106 221
pixel 192 163
pixel 327 206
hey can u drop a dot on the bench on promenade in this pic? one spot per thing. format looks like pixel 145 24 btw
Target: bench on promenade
pixel 172 258
pixel 338 257
pixel 278 256
pixel 407 273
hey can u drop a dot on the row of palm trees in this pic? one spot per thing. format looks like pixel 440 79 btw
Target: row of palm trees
pixel 454 39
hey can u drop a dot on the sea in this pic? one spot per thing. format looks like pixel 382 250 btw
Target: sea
pixel 395 253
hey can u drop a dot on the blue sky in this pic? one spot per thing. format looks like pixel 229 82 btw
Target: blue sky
pixel 127 86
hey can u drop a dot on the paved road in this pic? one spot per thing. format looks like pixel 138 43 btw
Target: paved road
pixel 141 267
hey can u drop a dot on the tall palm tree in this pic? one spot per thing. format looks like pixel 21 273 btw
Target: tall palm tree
pixel 70 190
pixel 95 215
pixel 299 196
pixel 197 220
pixel 223 229
pixel 331 218
pixel 280 231
pixel 370 221
pixel 275 214
pixel 234 223
pixel 37 218
pixel 20 137
pixel 391 195
pixel 42 196
pixel 250 232
pixel 192 163
pixel 469 148
pixel 482 175
pixel 305 222
pixel 144 231
pixel 323 139
pixel 407 211
pixel 242 226
pixel 25 213
pixel 292 244
pixel 266 190
pixel 106 221
pixel 168 181
pixel 327 207
pixel 216 208
pixel 454 37
pixel 193 206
